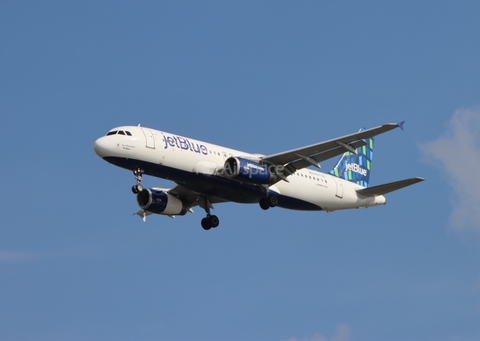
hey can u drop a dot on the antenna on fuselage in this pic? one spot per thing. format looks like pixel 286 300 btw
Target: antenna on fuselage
pixel 139 124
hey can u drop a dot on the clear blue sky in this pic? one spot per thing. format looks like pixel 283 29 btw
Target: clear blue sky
pixel 75 264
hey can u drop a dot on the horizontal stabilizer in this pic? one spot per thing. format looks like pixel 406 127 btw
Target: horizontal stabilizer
pixel 387 188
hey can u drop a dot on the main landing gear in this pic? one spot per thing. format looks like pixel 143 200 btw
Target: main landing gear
pixel 138 172
pixel 210 221
pixel 269 201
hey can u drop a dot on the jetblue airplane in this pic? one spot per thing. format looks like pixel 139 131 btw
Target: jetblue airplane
pixel 206 174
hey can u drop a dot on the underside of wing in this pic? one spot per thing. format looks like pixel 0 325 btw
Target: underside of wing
pixel 192 198
pixel 387 188
pixel 175 201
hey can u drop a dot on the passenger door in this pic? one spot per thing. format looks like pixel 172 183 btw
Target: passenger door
pixel 149 138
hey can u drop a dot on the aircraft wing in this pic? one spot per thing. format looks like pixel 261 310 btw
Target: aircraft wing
pixel 387 188
pixel 311 155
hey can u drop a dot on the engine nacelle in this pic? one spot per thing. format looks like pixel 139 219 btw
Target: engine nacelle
pixel 160 202
pixel 249 171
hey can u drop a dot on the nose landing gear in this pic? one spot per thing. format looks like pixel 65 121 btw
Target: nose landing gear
pixel 138 172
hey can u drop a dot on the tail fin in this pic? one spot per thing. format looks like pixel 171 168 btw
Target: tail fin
pixel 356 167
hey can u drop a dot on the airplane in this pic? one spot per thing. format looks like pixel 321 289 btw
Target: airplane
pixel 207 174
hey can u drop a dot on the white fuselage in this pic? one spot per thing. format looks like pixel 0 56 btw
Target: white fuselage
pixel 195 164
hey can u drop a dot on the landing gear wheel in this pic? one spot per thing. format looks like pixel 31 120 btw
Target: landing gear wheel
pixel 209 222
pixel 272 201
pixel 213 221
pixel 137 188
pixel 205 224
pixel 264 204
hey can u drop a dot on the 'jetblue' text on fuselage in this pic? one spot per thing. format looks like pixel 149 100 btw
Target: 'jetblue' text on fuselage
pixel 183 143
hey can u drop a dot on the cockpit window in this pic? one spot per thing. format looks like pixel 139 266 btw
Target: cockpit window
pixel 119 132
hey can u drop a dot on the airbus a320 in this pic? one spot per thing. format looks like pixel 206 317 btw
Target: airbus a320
pixel 207 174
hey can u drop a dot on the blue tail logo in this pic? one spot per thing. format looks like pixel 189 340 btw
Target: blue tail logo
pixel 356 167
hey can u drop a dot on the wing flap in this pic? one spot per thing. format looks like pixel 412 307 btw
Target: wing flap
pixel 389 187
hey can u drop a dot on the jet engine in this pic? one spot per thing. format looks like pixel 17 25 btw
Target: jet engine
pixel 160 202
pixel 245 170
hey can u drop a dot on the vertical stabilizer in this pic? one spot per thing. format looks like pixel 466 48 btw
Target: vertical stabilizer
pixel 356 167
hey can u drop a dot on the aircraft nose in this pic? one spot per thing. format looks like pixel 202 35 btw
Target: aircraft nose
pixel 101 147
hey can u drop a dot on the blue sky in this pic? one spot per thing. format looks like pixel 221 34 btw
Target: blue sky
pixel 75 264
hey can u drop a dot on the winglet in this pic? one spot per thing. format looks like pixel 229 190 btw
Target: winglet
pixel 400 125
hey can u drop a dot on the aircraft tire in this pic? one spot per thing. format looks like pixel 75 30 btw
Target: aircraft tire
pixel 213 221
pixel 264 204
pixel 206 224
pixel 272 201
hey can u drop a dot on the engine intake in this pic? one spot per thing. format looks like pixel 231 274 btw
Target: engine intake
pixel 249 171
pixel 160 202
